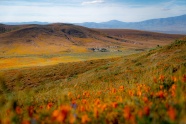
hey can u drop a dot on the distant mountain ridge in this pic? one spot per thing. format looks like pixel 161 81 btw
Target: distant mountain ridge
pixel 166 25
pixel 172 25
pixel 25 23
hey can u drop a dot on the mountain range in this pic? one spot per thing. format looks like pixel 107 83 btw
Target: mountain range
pixel 175 25
pixel 172 25
pixel 25 23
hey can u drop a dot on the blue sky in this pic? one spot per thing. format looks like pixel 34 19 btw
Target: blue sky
pixel 75 11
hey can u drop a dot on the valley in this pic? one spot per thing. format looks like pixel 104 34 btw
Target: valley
pixel 40 45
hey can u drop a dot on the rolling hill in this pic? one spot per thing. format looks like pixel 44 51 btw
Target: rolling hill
pixel 68 38
pixel 54 38
pixel 145 38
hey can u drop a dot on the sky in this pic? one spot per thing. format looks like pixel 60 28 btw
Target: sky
pixel 78 11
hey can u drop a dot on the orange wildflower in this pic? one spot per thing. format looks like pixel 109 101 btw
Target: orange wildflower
pixel 6 121
pixel 73 101
pixel 18 110
pixel 41 107
pixel 103 107
pixel 30 111
pixel 140 113
pixel 146 111
pixel 69 94
pixel 173 90
pixel 99 93
pixel 174 79
pixel 121 88
pixel 128 115
pixel 131 93
pixel 87 94
pixel 160 94
pixel 78 97
pixel 56 116
pixel 173 87
pixel 72 119
pixel 81 108
pixel 84 101
pixel 8 112
pixel 161 87
pixel 96 113
pixel 184 78
pixel 49 105
pixel 84 93
pixel 139 93
pixel 127 112
pixel 146 89
pixel 119 98
pixel 113 90
pixel 25 122
pixel 151 94
pixel 155 80
pixel 55 113
pixel 114 104
pixel 97 102
pixel 162 78
pixel 61 114
pixel 85 119
pixel 145 99
pixel 171 113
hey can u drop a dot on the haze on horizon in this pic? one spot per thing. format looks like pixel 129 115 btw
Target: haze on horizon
pixel 77 11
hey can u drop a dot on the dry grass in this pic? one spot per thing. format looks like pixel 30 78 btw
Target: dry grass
pixel 142 39
pixel 141 88
pixel 8 62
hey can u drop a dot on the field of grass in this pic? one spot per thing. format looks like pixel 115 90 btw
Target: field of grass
pixel 149 87
pixel 19 61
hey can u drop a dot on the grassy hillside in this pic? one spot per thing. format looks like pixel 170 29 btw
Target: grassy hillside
pixel 42 45
pixel 149 87
pixel 68 38
pixel 8 62
pixel 51 39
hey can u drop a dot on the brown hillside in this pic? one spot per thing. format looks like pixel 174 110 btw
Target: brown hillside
pixel 63 38
pixel 148 39
pixel 54 38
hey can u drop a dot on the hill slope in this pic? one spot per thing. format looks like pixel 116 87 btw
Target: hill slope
pixel 148 39
pixel 67 38
pixel 170 58
pixel 142 88
pixel 38 39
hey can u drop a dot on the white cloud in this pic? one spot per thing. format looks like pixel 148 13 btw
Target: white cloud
pixel 79 13
pixel 93 2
